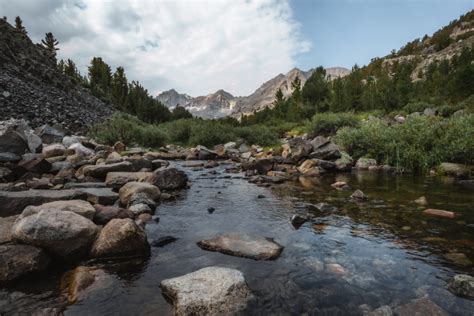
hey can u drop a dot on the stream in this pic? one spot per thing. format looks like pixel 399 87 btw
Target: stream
pixel 380 252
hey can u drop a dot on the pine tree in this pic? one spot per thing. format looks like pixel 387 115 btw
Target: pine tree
pixel 119 88
pixel 279 98
pixel 50 43
pixel 19 25
pixel 100 77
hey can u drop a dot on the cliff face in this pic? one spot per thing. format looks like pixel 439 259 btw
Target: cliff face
pixel 32 88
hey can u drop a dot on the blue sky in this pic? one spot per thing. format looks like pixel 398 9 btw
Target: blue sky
pixel 345 32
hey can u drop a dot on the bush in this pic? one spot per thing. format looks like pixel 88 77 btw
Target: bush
pixel 419 106
pixel 258 134
pixel 211 133
pixel 329 123
pixel 129 130
pixel 417 145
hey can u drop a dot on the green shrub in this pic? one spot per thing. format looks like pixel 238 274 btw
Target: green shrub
pixel 417 145
pixel 258 134
pixel 329 123
pixel 211 133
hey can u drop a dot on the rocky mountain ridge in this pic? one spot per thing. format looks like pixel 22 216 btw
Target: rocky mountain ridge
pixel 222 103
pixel 32 88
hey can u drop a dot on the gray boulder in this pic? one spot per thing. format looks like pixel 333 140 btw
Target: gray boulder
pixel 209 291
pixel 49 134
pixel 63 233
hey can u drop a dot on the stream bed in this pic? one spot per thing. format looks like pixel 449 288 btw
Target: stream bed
pixel 356 257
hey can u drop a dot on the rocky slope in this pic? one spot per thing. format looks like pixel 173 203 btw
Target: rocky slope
pixel 31 87
pixel 222 103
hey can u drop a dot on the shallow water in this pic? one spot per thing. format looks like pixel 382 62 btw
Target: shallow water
pixel 389 251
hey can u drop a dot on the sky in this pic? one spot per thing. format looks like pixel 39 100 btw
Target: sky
pixel 200 46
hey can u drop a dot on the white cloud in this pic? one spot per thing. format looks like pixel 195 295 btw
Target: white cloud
pixel 196 47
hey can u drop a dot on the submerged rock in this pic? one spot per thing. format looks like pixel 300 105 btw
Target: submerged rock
pixel 121 238
pixel 439 213
pixel 209 291
pixel 62 233
pixel 340 185
pixel 462 285
pixel 358 195
pixel 243 245
pixel 20 260
pixel 82 281
pixel 422 306
pixel 163 241
pixel 365 163
pixel 421 201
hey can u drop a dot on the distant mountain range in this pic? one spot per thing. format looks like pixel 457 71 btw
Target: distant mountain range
pixel 222 103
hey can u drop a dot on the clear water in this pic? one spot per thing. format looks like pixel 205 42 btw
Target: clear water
pixel 390 252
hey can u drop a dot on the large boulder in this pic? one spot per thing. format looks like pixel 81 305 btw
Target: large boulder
pixel 12 141
pixel 204 153
pixel 300 148
pixel 63 233
pixel 20 260
pixel 328 151
pixel 118 179
pixel 243 245
pixel 79 207
pixel 131 189
pixel 121 238
pixel 170 179
pixel 454 169
pixel 262 166
pixel 209 291
pixel 100 171
pixel 462 285
pixel 12 203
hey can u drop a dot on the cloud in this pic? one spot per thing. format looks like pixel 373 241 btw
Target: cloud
pixel 194 46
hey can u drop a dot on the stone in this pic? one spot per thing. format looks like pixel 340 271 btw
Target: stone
pixel 325 207
pixel 358 195
pixel 121 238
pixel 118 179
pixel 49 134
pixel 6 224
pixel 439 213
pixel 140 208
pixel 53 150
pixel 35 144
pixel 462 285
pixel 163 241
pixel 159 163
pixel 243 245
pixel 208 291
pixel 36 165
pixel 458 258
pixel 12 141
pixel 336 269
pixel 205 153
pixel 309 168
pixel 340 185
pixel 172 155
pixel 299 148
pixel 420 307
pixel 119 147
pixel 328 151
pixel 430 112
pixel 6 175
pixel 9 157
pixel 421 201
pixel 20 260
pixel 262 166
pixel 132 188
pixel 100 171
pixel 105 214
pixel 81 282
pixel 70 140
pixel 84 185
pixel 12 203
pixel 297 220
pixel 454 169
pixel 170 179
pixel 104 196
pixel 80 150
pixel 318 142
pixel 43 183
pixel 365 163
pixel 79 207
pixel 63 233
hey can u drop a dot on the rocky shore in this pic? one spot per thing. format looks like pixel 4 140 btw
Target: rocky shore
pixel 67 200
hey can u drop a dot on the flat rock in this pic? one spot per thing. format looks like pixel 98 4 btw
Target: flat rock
pixel 209 291
pixel 118 179
pixel 104 196
pixel 20 260
pixel 121 238
pixel 63 233
pixel 439 213
pixel 53 150
pixel 243 245
pixel 13 203
pixel 85 185
pixel 100 171
pixel 79 207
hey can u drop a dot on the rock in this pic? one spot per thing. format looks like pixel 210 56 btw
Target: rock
pixel 49 134
pixel 105 214
pixel 328 151
pixel 243 245
pixel 9 157
pixel 358 195
pixel 69 140
pixel 246 155
pixel 118 179
pixel 205 154
pixel 458 258
pixel 462 285
pixel 421 201
pixel 132 188
pixel 430 112
pixel 104 196
pixel 439 213
pixel 140 208
pixel 84 185
pixel 381 311
pixel 344 163
pixel 80 150
pixel 365 163
pixel 121 238
pixel 309 167
pixel 319 142
pixel 163 241
pixel 12 203
pixel 35 144
pixel 100 171
pixel 53 150
pixel 43 183
pixel 299 148
pixel 170 179
pixel 262 166
pixel 82 281
pixel 208 291
pixel 210 210
pixel 165 155
pixel 336 269
pixel 325 207
pixel 6 224
pixel 340 185
pixel 6 175
pixel 62 233
pixel 20 260
pixel 158 163
pixel 36 165
pixel 12 141
pixel 297 221
pixel 79 207
pixel 420 307
pixel 454 169
pixel 119 147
